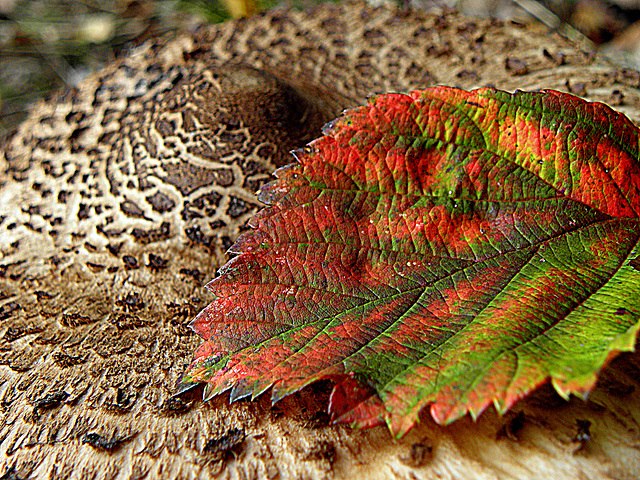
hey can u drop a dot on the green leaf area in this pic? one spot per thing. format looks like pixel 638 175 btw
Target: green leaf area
pixel 444 248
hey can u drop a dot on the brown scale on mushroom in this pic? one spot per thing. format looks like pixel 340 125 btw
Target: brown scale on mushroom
pixel 119 198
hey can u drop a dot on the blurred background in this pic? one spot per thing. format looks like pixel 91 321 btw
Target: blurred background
pixel 51 44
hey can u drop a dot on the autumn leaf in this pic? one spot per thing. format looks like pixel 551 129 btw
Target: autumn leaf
pixel 444 248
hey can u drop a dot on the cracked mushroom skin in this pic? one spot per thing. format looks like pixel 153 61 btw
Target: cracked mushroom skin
pixel 119 198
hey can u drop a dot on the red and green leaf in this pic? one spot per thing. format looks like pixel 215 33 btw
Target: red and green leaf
pixel 445 248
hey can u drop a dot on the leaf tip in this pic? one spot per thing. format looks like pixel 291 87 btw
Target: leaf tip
pixel 329 127
pixel 183 386
pixel 581 387
pixel 208 392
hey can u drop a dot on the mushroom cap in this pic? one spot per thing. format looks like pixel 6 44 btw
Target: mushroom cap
pixel 118 200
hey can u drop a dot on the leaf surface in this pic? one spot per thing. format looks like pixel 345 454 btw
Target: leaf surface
pixel 442 248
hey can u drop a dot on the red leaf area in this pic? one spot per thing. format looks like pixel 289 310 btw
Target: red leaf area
pixel 444 248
